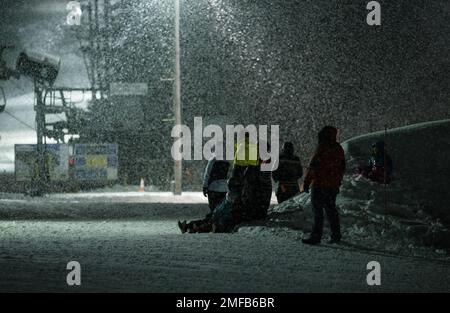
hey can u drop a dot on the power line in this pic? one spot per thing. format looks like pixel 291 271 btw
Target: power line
pixel 19 120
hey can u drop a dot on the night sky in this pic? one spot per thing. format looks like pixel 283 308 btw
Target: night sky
pixel 299 64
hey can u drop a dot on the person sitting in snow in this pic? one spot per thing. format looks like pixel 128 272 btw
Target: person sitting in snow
pixel 324 176
pixel 288 173
pixel 247 199
pixel 256 184
pixel 379 167
pixel 224 216
pixel 256 194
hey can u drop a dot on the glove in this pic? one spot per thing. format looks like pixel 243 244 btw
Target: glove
pixel 205 191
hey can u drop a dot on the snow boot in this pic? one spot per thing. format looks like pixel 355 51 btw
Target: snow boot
pixel 183 226
pixel 312 240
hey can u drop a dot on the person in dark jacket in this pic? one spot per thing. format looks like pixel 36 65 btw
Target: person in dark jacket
pixel 288 173
pixel 324 176
pixel 379 167
pixel 215 181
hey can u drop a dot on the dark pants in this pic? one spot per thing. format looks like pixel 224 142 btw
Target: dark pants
pixel 325 199
pixel 215 198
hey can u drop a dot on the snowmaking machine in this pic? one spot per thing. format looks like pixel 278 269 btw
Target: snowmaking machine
pixel 42 69
pixel 43 165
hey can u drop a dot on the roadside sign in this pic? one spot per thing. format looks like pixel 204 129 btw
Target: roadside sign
pixel 128 89
pixel 56 162
pixel 96 161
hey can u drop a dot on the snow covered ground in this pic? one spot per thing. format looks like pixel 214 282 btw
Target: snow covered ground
pixel 403 229
pixel 130 242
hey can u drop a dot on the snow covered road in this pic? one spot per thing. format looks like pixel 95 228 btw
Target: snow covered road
pixel 142 250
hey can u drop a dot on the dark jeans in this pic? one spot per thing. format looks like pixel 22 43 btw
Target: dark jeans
pixel 325 199
pixel 215 198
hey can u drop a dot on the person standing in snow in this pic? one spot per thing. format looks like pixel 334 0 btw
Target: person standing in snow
pixel 324 176
pixel 288 173
pixel 379 168
pixel 215 181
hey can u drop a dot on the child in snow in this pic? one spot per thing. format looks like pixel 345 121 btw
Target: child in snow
pixel 379 167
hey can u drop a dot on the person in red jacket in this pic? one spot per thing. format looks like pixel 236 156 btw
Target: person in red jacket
pixel 324 176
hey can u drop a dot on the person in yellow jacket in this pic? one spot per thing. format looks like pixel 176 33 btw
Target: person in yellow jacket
pixel 246 153
pixel 256 184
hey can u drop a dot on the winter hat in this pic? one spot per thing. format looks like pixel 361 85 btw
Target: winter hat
pixel 288 148
pixel 328 134
pixel 379 145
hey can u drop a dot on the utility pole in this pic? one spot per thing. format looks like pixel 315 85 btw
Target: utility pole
pixel 384 180
pixel 41 178
pixel 178 166
pixel 92 51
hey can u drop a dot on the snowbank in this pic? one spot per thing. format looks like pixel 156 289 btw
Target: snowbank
pixel 403 228
pixel 421 155
pixel 103 206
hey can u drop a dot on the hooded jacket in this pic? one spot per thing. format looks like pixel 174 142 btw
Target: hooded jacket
pixel 378 160
pixel 327 165
pixel 290 169
pixel 256 193
pixel 215 176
